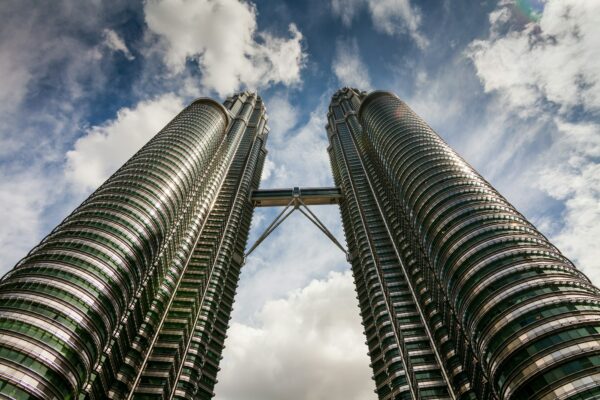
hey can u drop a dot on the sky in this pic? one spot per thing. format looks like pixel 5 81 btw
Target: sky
pixel 513 86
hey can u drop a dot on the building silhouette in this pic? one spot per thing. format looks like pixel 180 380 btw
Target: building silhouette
pixel 460 296
pixel 130 296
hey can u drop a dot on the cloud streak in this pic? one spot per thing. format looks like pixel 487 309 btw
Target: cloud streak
pixel 348 66
pixel 114 42
pixel 391 17
pixel 549 71
pixel 50 66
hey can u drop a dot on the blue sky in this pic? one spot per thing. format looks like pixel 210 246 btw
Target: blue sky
pixel 513 86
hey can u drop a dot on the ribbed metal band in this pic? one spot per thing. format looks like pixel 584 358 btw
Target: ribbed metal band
pixel 65 300
pixel 405 363
pixel 501 276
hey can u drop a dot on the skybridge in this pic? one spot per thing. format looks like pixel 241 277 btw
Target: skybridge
pixel 292 199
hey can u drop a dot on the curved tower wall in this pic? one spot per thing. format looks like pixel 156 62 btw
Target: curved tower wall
pixel 187 341
pixel 509 315
pixel 405 363
pixel 83 312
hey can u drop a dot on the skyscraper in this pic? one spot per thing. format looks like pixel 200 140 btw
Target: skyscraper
pixel 130 295
pixel 461 297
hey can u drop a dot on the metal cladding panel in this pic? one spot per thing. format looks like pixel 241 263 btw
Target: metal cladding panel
pixel 406 364
pixel 183 356
pixel 530 318
pixel 63 305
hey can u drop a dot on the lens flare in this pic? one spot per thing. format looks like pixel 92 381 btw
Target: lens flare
pixel 531 9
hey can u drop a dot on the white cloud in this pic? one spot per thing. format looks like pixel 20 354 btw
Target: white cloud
pixel 397 17
pixel 46 75
pixel 24 196
pixel 14 78
pixel 306 346
pixel 299 154
pixel 575 179
pixel 347 10
pixel 348 66
pixel 222 36
pixel 114 42
pixel 267 171
pixel 288 259
pixel 549 72
pixel 392 17
pixel 283 116
pixel 104 148
pixel 28 55
pixel 555 60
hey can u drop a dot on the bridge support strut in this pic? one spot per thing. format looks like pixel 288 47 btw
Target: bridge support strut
pixel 295 199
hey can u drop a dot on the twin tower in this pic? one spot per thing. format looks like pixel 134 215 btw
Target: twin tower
pixel 460 296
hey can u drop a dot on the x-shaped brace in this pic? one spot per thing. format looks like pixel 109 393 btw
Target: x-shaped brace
pixel 295 204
